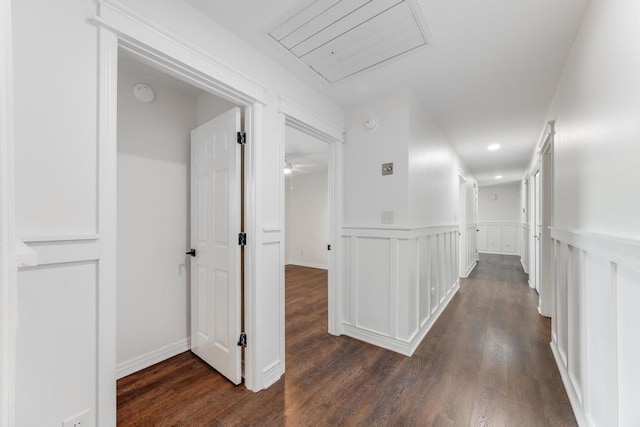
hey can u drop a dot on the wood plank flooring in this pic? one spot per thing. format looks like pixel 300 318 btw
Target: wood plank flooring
pixel 486 362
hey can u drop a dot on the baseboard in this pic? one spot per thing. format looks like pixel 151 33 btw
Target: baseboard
pixel 578 410
pixel 141 362
pixel 498 253
pixel 523 267
pixel 470 269
pixel 308 264
pixel 406 348
pixel 271 374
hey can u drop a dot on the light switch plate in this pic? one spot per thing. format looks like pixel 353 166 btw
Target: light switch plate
pixel 386 217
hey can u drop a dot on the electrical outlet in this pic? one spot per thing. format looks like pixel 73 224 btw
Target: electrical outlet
pixel 386 217
pixel 433 291
pixel 78 420
pixel 301 252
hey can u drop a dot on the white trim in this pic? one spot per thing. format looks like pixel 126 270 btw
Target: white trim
pixel 307 264
pixel 64 251
pixel 470 269
pixel 272 373
pixel 581 417
pixel 407 347
pixel 8 291
pixel 403 233
pixel 107 227
pixel 498 253
pixel 620 250
pixel 136 31
pixel 309 122
pixel 150 358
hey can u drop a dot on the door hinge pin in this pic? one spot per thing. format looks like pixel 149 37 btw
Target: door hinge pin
pixel 242 239
pixel 242 341
pixel 242 138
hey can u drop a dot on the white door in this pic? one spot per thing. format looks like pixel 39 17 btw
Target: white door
pixel 215 224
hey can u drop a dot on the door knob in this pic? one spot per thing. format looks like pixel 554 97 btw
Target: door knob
pixel 192 252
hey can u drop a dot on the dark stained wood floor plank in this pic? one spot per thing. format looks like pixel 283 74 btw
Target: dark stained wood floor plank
pixel 486 361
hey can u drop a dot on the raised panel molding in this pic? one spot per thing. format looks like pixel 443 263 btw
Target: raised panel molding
pixel 64 249
pixel 401 277
pixel 596 283
pixel 499 238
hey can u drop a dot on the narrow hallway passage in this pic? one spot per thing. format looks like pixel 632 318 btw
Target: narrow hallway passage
pixel 486 362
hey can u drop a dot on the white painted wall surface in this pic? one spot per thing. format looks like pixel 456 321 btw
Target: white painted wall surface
pixel 153 229
pixel 504 208
pixel 56 99
pixel 306 217
pixel 366 192
pixel 597 232
pixel 399 277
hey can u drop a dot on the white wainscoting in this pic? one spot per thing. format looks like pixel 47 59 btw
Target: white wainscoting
pixel 470 248
pixel 397 282
pixel 498 238
pixel 595 338
pixel 524 246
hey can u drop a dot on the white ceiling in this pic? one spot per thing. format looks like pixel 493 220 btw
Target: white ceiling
pixel 488 76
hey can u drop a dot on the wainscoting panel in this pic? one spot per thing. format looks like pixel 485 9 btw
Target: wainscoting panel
pixel 498 238
pixel 469 252
pixel 397 282
pixel 595 338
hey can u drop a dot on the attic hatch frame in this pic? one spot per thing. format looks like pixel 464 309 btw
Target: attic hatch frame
pixel 338 40
pixel 122 29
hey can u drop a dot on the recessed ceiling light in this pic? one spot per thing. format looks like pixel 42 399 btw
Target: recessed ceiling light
pixel 498 177
pixel 493 147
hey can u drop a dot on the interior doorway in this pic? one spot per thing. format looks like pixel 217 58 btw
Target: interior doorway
pixel 176 202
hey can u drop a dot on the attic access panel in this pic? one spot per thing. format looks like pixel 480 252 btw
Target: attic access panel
pixel 340 38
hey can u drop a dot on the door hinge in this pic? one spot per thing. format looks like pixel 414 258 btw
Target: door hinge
pixel 242 341
pixel 242 239
pixel 328 247
pixel 242 138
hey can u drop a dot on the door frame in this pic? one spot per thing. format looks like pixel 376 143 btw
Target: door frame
pixel 298 117
pixel 542 164
pixel 8 266
pixel 119 29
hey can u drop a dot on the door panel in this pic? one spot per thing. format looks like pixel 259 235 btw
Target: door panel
pixel 215 224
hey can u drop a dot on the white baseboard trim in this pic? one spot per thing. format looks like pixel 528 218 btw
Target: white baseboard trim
pixel 406 348
pixel 523 267
pixel 308 264
pixel 497 253
pixel 578 410
pixel 272 374
pixel 141 362
pixel 470 269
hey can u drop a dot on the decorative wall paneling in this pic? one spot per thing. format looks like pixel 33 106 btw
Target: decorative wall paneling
pixel 397 282
pixel 498 238
pixel 523 233
pixel 595 339
pixel 470 256
pixel 67 274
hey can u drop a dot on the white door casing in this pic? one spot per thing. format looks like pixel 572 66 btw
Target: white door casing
pixel 215 224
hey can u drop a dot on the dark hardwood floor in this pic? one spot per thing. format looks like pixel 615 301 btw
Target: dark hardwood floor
pixel 486 362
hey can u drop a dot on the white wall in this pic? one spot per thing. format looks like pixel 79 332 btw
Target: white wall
pixel 306 219
pixel 505 207
pixel 499 219
pixel 398 278
pixel 56 111
pixel 153 225
pixel 596 230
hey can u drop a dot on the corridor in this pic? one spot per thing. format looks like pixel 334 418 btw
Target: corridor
pixel 485 362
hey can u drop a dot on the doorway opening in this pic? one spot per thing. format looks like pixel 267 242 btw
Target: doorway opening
pixel 179 212
pixel 307 234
